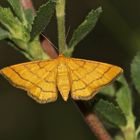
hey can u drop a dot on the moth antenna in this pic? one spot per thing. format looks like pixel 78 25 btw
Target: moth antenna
pixel 49 42
pixel 67 33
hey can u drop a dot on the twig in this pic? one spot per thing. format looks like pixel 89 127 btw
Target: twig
pixel 93 121
pixel 90 118
pixel 96 126
pixel 48 48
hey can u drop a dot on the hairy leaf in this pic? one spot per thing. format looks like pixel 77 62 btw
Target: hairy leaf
pixel 3 34
pixel 108 91
pixel 17 8
pixel 135 72
pixel 29 17
pixel 42 18
pixel 123 96
pixel 110 113
pixel 7 18
pixel 85 27
pixel 13 25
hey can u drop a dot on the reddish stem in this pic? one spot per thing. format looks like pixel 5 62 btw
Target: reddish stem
pixel 27 4
pixel 90 118
pixel 93 121
pixel 97 127
pixel 48 48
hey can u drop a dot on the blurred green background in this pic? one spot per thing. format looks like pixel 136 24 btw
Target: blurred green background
pixel 115 39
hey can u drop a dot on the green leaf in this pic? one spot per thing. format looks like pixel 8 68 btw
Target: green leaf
pixel 124 100
pixel 135 72
pixel 138 132
pixel 29 17
pixel 119 137
pixel 123 97
pixel 42 18
pixel 110 113
pixel 108 90
pixel 18 9
pixel 13 25
pixel 7 18
pixel 85 27
pixel 3 34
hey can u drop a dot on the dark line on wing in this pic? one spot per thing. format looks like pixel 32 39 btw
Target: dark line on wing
pixel 80 78
pixel 40 66
pixel 39 76
pixel 28 80
pixel 79 66
pixel 43 67
pixel 94 80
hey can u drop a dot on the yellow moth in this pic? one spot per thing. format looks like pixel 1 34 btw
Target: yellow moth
pixel 80 78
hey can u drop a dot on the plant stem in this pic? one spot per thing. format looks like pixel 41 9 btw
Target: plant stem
pixel 60 14
pixel 129 129
pixel 96 127
pixel 93 121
